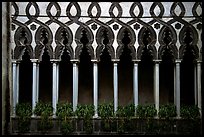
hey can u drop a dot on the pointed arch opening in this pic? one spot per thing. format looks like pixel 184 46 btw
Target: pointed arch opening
pixel 45 78
pixel 105 73
pixel 25 79
pixel 65 78
pixel 85 73
pixel 125 73
pixel 187 70
pixel 166 78
pixel 145 69
pixel 166 71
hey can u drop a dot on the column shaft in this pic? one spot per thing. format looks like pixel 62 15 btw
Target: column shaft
pixel 34 86
pixel 135 84
pixel 178 88
pixel 199 86
pixel 75 86
pixel 95 74
pixel 156 85
pixel 195 85
pixel 174 85
pixel 54 87
pixel 115 81
pixel 37 83
pixel 14 89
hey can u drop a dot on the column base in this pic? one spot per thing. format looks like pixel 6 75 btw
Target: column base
pixel 95 116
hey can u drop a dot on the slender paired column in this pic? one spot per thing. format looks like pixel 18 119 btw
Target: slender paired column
pixel 135 84
pixel 95 87
pixel 54 86
pixel 177 86
pixel 75 84
pixel 115 84
pixel 199 86
pixel 37 77
pixel 15 65
pixel 156 84
pixel 195 85
pixel 34 84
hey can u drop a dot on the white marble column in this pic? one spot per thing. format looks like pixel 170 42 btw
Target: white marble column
pixel 15 65
pixel 156 84
pixel 135 84
pixel 199 86
pixel 177 86
pixel 54 86
pixel 34 84
pixel 57 94
pixel 37 77
pixel 75 85
pixel 95 87
pixel 115 84
pixel 195 85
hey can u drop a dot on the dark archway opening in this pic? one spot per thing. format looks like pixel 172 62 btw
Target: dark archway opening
pixel 125 74
pixel 65 78
pixel 85 74
pixel 45 78
pixel 187 71
pixel 105 74
pixel 166 78
pixel 145 72
pixel 25 79
pixel 187 78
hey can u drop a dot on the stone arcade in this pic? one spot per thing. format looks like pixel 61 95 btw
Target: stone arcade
pixel 124 28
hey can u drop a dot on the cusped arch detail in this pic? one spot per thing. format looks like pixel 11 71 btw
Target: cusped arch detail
pixel 188 33
pixel 167 39
pixel 43 39
pixel 104 31
pixel 78 36
pixel 130 45
pixel 22 39
pixel 149 35
pixel 63 39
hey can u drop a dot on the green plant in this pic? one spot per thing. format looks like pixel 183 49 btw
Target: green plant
pixel 190 112
pixel 167 111
pixel 67 127
pixel 106 112
pixel 24 112
pixel 86 112
pixel 64 112
pixel 44 110
pixel 147 111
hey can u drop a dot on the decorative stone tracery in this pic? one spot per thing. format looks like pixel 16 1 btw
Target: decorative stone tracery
pixel 60 26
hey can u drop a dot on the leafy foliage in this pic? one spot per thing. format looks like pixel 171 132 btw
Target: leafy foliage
pixel 24 111
pixel 43 109
pixel 146 111
pixel 64 110
pixel 167 111
pixel 190 112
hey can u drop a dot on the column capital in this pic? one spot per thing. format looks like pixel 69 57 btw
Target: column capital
pixel 16 61
pixel 54 60
pixel 198 61
pixel 136 60
pixel 34 60
pixel 115 60
pixel 75 60
pixel 157 61
pixel 94 61
pixel 178 61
